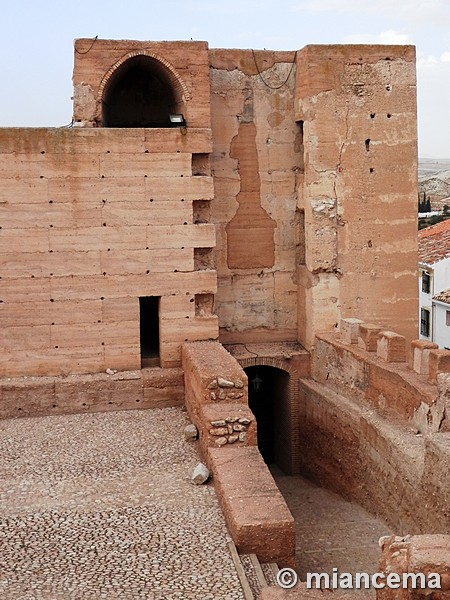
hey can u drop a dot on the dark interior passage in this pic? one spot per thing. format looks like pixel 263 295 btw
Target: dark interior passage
pixel 139 95
pixel 268 397
pixel 149 328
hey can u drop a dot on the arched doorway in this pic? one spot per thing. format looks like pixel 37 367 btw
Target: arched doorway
pixel 268 398
pixel 139 93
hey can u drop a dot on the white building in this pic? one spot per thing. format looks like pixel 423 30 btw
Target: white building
pixel 441 319
pixel 434 283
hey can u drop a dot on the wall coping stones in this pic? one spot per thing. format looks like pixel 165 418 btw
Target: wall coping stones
pixel 349 330
pixel 391 346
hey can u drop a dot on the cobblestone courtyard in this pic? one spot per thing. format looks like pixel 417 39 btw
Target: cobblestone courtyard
pixel 101 506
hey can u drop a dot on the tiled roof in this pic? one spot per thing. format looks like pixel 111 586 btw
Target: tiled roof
pixel 434 243
pixel 443 296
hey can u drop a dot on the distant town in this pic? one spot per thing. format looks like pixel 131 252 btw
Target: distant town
pixel 434 250
pixel 433 191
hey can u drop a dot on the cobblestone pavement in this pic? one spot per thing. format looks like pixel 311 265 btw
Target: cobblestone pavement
pixel 101 506
pixel 331 532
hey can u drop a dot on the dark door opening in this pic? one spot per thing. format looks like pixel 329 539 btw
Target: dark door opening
pixel 268 399
pixel 149 326
pixel 139 95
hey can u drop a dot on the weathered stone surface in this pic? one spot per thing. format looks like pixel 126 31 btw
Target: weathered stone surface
pixel 368 336
pixel 420 355
pixel 391 347
pixel 239 427
pixel 235 395
pixel 250 497
pixel 200 474
pixel 224 383
pixel 219 431
pixel 221 441
pixel 439 362
pixel 190 432
pixel 350 330
pixel 417 554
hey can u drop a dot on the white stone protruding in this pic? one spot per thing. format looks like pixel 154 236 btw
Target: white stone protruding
pixel 350 330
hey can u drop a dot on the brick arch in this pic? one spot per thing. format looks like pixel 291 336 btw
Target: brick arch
pixel 279 363
pixel 181 92
pixel 292 401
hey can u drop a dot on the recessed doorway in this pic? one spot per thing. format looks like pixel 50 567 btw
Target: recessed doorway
pixel 149 327
pixel 268 398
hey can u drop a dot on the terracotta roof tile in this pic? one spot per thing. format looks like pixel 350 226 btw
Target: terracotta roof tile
pixel 434 243
pixel 443 296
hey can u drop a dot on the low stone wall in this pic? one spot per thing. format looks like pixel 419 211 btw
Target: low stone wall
pixel 417 554
pixel 217 403
pixel 375 460
pixel 256 513
pixel 98 392
pixel 373 370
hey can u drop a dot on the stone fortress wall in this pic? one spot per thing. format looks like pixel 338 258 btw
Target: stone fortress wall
pixel 313 221
pixel 283 206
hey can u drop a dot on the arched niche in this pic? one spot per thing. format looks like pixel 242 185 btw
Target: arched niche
pixel 141 90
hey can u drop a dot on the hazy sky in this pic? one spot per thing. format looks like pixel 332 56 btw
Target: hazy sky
pixel 36 44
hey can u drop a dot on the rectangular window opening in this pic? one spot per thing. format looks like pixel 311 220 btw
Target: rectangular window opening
pixel 447 318
pixel 425 322
pixel 149 328
pixel 299 146
pixel 426 282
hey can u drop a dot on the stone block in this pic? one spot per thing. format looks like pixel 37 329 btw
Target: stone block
pixel 200 474
pixel 190 432
pixel 349 329
pixel 391 347
pixel 420 355
pixel 255 511
pixel 439 362
pixel 163 398
pixel 368 337
pixel 27 397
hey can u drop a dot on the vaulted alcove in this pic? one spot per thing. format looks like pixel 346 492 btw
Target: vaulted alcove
pixel 140 92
